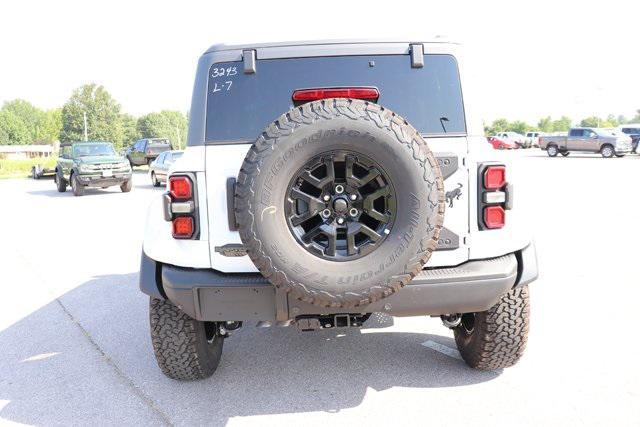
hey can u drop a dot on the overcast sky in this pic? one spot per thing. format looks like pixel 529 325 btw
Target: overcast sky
pixel 534 58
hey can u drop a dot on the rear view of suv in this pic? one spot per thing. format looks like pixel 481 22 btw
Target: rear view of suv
pixel 145 151
pixel 324 182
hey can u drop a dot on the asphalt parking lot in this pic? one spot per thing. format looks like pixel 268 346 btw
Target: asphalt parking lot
pixel 74 344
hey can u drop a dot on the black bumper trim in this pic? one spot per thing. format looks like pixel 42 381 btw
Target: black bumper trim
pixel 148 279
pixel 100 181
pixel 527 265
pixel 210 295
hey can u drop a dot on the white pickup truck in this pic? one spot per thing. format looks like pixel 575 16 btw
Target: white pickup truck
pixel 514 137
pixel 324 182
pixel 531 139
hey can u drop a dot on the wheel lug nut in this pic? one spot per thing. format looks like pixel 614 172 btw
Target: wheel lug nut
pixel 353 197
pixel 339 189
pixel 326 198
pixel 326 213
pixel 353 211
pixel 340 221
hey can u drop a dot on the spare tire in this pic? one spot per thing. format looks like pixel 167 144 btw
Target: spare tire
pixel 339 202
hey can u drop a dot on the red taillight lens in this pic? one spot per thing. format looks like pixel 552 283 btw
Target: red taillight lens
pixel 494 177
pixel 183 227
pixel 180 187
pixel 180 208
pixel 494 217
pixel 368 93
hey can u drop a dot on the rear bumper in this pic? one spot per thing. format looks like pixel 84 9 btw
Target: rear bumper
pixel 209 295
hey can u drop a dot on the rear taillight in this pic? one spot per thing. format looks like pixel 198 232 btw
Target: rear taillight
pixel 494 177
pixel 180 207
pixel 366 93
pixel 180 187
pixel 494 197
pixel 183 227
pixel 494 217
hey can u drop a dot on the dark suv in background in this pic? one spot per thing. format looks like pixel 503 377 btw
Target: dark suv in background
pixel 145 151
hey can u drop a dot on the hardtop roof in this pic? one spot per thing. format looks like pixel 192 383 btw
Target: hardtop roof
pixel 221 46
pixel 64 144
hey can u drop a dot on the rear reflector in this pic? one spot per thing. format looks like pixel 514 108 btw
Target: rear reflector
pixel 183 227
pixel 494 177
pixel 494 217
pixel 495 197
pixel 180 187
pixel 182 207
pixel 368 93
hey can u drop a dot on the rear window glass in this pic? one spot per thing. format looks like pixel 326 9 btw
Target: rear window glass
pixel 240 106
pixel 159 142
pixel 90 149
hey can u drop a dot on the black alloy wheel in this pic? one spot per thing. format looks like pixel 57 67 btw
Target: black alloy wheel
pixel 340 206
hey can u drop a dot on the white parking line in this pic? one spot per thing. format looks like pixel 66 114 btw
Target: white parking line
pixel 4 422
pixel 442 349
pixel 40 357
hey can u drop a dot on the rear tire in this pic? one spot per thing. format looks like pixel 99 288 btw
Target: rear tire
pixel 185 349
pixel 607 151
pixel 78 189
pixel 496 338
pixel 552 150
pixel 154 180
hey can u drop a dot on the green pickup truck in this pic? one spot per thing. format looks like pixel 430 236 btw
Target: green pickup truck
pixel 91 164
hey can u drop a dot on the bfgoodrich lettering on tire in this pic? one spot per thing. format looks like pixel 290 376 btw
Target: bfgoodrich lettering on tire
pixel 339 202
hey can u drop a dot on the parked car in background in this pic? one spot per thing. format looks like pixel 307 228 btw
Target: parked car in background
pixel 531 139
pixel 590 140
pixel 513 136
pixel 91 164
pixel 159 168
pixel 145 151
pixel 633 130
pixel 502 144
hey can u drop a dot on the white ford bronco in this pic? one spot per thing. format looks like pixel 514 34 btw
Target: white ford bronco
pixel 324 182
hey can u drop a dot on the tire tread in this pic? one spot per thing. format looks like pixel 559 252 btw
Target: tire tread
pixel 326 110
pixel 500 333
pixel 179 348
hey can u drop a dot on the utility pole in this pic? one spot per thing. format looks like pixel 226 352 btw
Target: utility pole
pixel 85 126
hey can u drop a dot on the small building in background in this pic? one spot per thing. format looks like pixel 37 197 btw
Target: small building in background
pixel 23 152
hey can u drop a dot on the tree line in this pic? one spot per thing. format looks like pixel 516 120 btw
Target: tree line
pixel 23 123
pixel 548 124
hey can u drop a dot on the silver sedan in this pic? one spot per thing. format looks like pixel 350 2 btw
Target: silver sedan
pixel 159 168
